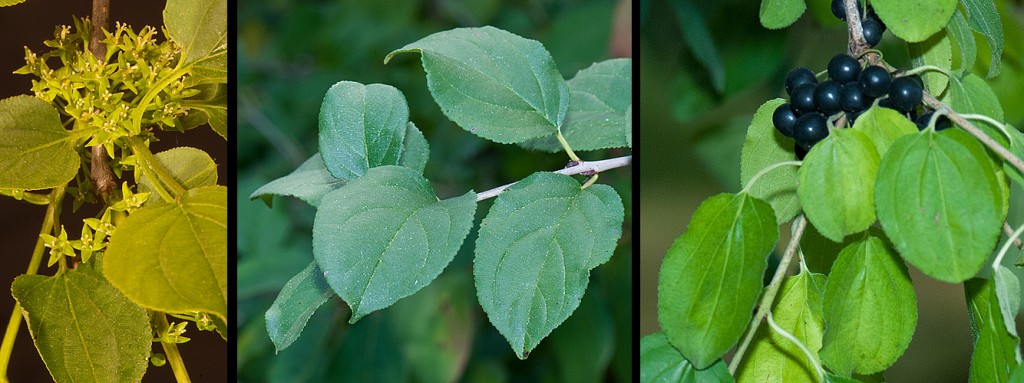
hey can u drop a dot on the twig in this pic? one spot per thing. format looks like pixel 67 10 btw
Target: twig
pixel 770 292
pixel 1009 233
pixel 856 31
pixel 99 168
pixel 583 167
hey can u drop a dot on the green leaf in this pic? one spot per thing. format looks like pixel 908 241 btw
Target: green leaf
pixel 939 200
pixel 961 33
pixel 210 70
pixel 711 276
pixel 5 3
pixel 837 197
pixel 217 117
pixel 310 183
pixel 937 51
pixel 797 310
pixel 698 39
pixel 777 14
pixel 385 235
pixel 820 252
pixel 36 152
pixel 172 257
pixel 870 308
pixel 829 378
pixel 415 149
pixel 369 352
pixel 996 351
pixel 535 251
pixel 84 329
pixel 304 361
pixel 1008 292
pixel 493 83
pixel 883 126
pixel 984 18
pixel 298 300
pixel 661 363
pixel 914 20
pixel 190 167
pixel 764 146
pixel 1017 148
pixel 200 26
pixel 361 126
pixel 598 99
pixel 972 95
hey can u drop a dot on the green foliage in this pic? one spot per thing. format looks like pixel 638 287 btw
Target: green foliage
pixel 661 363
pixel 883 126
pixel 777 14
pixel 997 351
pixel 937 51
pixel 850 207
pixel 914 21
pixel 200 26
pixel 984 19
pixel 763 146
pixel 298 300
pixel 361 126
pixel 190 167
pixel 37 152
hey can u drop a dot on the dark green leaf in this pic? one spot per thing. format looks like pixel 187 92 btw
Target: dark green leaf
pixel 728 241
pixel 698 39
pixel 385 235
pixel 415 149
pixel 661 363
pixel 777 14
pixel 984 18
pixel 961 33
pixel 839 198
pixel 996 351
pixel 298 300
pixel 190 167
pixel 936 51
pixel 304 361
pixel 200 26
pixel 870 309
pixel 914 20
pixel 1008 292
pixel 765 146
pixel 310 183
pixel 583 345
pixel 493 83
pixel 36 151
pixel 535 251
pixel 361 126
pixel 820 252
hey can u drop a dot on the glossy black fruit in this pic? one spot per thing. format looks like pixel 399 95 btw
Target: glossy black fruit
pixel 873 31
pixel 839 9
pixel 941 123
pixel 802 99
pixel 809 129
pixel 852 117
pixel 826 97
pixel 905 93
pixel 800 151
pixel 843 68
pixel 874 81
pixel 784 118
pixel 852 98
pixel 797 77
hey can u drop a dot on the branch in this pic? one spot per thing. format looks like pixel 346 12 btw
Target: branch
pixel 99 168
pixel 583 167
pixel 974 131
pixel 1009 233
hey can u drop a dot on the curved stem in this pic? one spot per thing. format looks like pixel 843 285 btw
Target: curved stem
pixel 967 126
pixel 1006 247
pixel 766 170
pixel 770 292
pixel 590 181
pixel 565 145
pixel 52 211
pixel 924 68
pixel 159 321
pixel 1009 233
pixel 798 343
pixel 583 167
pixel 990 120
pixel 159 87
pixel 152 167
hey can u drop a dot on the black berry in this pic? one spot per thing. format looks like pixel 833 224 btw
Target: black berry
pixel 784 118
pixel 874 16
pixel 802 99
pixel 852 117
pixel 852 98
pixel 905 93
pixel 839 9
pixel 843 68
pixel 826 97
pixel 800 151
pixel 797 77
pixel 873 31
pixel 874 81
pixel 809 129
pixel 940 124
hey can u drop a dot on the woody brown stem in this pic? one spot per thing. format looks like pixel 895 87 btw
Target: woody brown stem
pixel 100 172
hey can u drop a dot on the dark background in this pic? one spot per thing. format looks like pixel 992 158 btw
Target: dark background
pixel 29 24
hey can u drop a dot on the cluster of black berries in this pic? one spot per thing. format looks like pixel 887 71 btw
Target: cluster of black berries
pixel 872 26
pixel 848 89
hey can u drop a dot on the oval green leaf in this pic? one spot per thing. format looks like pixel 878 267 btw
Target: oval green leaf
pixel 914 20
pixel 837 182
pixel 984 18
pixel 883 126
pixel 936 51
pixel 361 126
pixel 191 167
pixel 961 34
pixel 764 146
pixel 777 14
pixel 298 300
pixel 535 251
pixel 493 83
pixel 711 276
pixel 996 351
pixel 661 363
pixel 797 310
pixel 939 199
pixel 415 149
pixel 200 26
pixel 172 257
pixel 870 309
pixel 36 152
pixel 309 183
pixel 84 329
pixel 1008 292
pixel 971 94
pixel 385 235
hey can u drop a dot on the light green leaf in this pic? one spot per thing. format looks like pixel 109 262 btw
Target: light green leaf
pixel 829 378
pixel 598 99
pixel 361 126
pixel 191 167
pixel 797 310
pixel 820 252
pixel 415 149
pixel 972 95
pixel 84 329
pixel 211 69
pixel 883 126
pixel 1008 292
pixel 936 51
pixel 764 146
pixel 939 200
pixel 310 183
pixel 36 152
pixel 172 257
pixel 385 235
pixel 984 18
pixel 661 363
pixel 914 20
pixel 777 14
pixel 200 26
pixel 535 251
pixel 711 276
pixel 493 83
pixel 837 197
pixel 698 38
pixel 870 309
pixel 217 117
pixel 298 300
pixel 961 33
pixel 996 351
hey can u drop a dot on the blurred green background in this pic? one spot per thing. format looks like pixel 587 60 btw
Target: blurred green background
pixel 705 68
pixel 289 54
